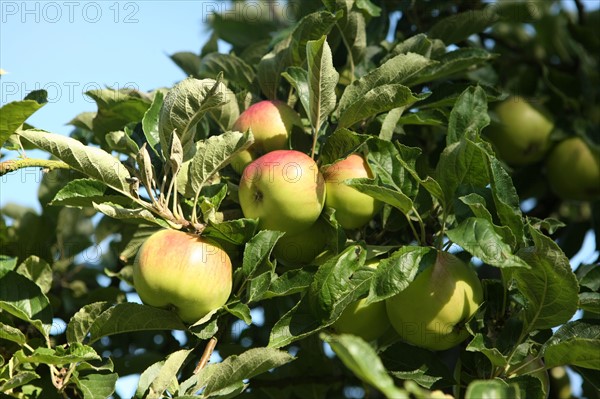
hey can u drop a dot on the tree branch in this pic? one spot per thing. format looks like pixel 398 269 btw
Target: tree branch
pixel 16 164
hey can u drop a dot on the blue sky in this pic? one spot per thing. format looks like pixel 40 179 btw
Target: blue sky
pixel 68 48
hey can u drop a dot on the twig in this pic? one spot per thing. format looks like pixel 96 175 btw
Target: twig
pixel 15 164
pixel 208 350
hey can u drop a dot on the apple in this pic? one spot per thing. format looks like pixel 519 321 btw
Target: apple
pixel 430 312
pixel 184 272
pixel 284 190
pixel 366 321
pixel 573 170
pixel 301 248
pixel 353 209
pixel 521 133
pixel 271 123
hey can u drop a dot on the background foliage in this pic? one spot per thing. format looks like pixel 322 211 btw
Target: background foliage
pixel 418 104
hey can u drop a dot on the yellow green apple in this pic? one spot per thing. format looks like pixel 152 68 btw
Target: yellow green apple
pixel 521 132
pixel 431 311
pixel 182 272
pixel 573 170
pixel 366 321
pixel 353 209
pixel 271 123
pixel 284 190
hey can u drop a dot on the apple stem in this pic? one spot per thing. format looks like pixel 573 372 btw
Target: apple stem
pixel 208 350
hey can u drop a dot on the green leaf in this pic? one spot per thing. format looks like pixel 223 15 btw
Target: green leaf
pixel 396 70
pixel 589 276
pixel 506 199
pixel 368 6
pixel 121 141
pixel 168 373
pixel 390 122
pixel 84 192
pixel 549 286
pixel 589 301
pixel 183 107
pixel 361 359
pixel 392 197
pixel 495 388
pixel 237 232
pixel 7 263
pixel 95 385
pixel 322 79
pixel 234 69
pixel 575 343
pixel 15 113
pixel 214 154
pixel 74 353
pixel 423 366
pixel 446 94
pixel 340 144
pixel 291 282
pixel 84 120
pixel 461 164
pixel 479 237
pixel 241 311
pixel 375 101
pixel 90 161
pixel 38 271
pixel 237 368
pixel 298 78
pixel 25 300
pixel 298 323
pixel 395 273
pixel 128 317
pixel 18 380
pixel 258 250
pixel 394 165
pixel 469 115
pixel 150 122
pixel 81 322
pixel 331 289
pixel 418 44
pixel 291 50
pixel 116 109
pixel 352 28
pixel 13 334
pixel 427 117
pixel 188 62
pixel 139 215
pixel 460 26
pixel 451 63
pixel 482 344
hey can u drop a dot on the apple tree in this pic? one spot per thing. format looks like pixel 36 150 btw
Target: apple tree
pixel 340 216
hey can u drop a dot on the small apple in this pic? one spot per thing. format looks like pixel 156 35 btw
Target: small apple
pixel 430 312
pixel 353 209
pixel 284 190
pixel 183 272
pixel 521 134
pixel 271 123
pixel 301 248
pixel 573 170
pixel 366 321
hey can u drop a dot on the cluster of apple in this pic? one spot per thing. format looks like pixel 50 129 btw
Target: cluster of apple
pixel 285 190
pixel 521 136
